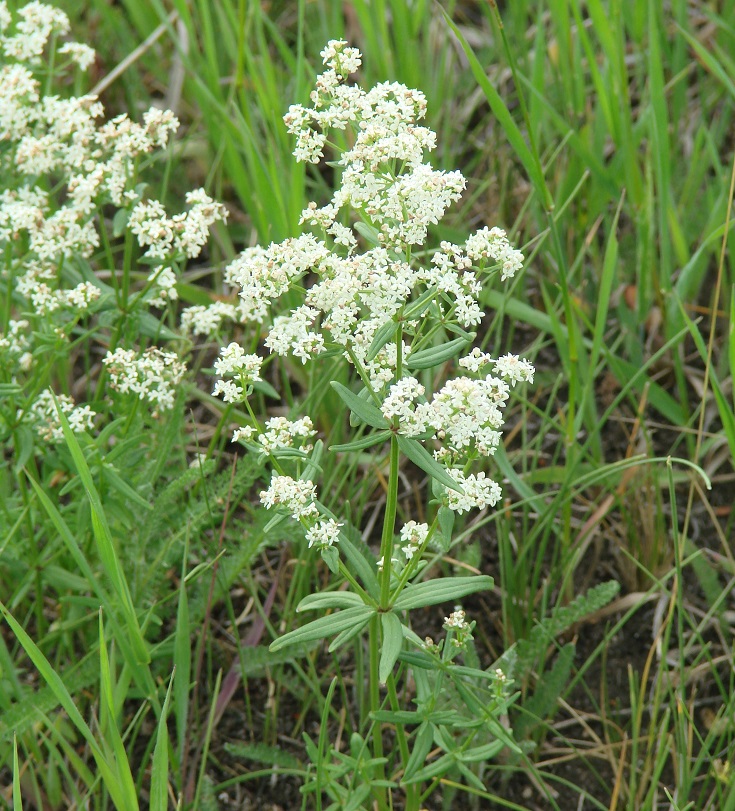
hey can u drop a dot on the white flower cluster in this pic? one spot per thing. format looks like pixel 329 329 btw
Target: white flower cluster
pixel 384 175
pixel 167 239
pixel 413 535
pixel 386 183
pixel 411 538
pixel 514 369
pixel 36 24
pixel 465 413
pixel 45 418
pixel 298 496
pixel 14 347
pixel 201 320
pixel 37 285
pixel 152 376
pixel 350 300
pixel 456 620
pixel 234 362
pixel 90 165
pixel 79 53
pixel 279 434
pixel 479 491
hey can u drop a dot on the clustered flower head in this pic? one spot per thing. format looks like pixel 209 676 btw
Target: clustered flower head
pixel 235 363
pixel 461 630
pixel 379 302
pixel 279 434
pixel 411 540
pixel 183 233
pixel 63 144
pixel 44 417
pixel 298 496
pixel 384 175
pixel 152 376
pixel 386 184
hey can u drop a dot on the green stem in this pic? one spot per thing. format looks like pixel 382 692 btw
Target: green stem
pixel 389 521
pixel 412 791
pixel 374 687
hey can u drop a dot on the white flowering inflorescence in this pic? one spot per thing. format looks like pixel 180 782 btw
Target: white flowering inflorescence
pixel 152 376
pixel 44 417
pixel 383 302
pixel 63 165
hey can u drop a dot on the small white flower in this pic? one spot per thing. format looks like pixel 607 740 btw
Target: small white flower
pixel 514 369
pixel 79 53
pixel 324 533
pixel 297 495
pixel 244 434
pixel 456 620
pixel 414 533
pixel 200 320
pixel 152 376
pixel 282 433
pixel 45 417
pixel 475 360
pixel 401 403
pixel 230 391
pixel 479 492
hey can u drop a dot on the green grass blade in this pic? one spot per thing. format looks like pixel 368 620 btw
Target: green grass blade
pixel 159 769
pixel 17 803
pixel 182 657
pixel 108 726
pixel 49 675
pixel 105 545
pixel 530 161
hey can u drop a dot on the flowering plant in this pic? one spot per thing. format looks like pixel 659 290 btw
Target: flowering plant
pixel 399 314
pixel 61 168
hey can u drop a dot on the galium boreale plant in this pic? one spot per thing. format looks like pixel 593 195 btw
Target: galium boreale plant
pixel 75 286
pixel 369 290
pixel 88 269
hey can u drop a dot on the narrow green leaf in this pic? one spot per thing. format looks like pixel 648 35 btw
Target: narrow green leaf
pixel 434 355
pixel 103 536
pixel 392 644
pixel 446 589
pixel 264 753
pixel 435 769
pixel 349 633
pixel 382 336
pixel 9 390
pixel 446 524
pixel 182 656
pixel 329 599
pixel 49 675
pixel 324 626
pixel 727 414
pixel 108 725
pixel 362 443
pixel 17 802
pixel 530 162
pixel 368 232
pixel 423 741
pixel 367 412
pixel 362 561
pixel 418 454
pixel 731 344
pixel 330 556
pixel 709 61
pixel 419 305
pixel 159 767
